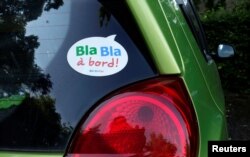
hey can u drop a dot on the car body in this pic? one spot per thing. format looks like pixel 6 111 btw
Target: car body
pixel 107 78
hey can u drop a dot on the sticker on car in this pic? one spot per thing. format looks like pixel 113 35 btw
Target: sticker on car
pixel 97 56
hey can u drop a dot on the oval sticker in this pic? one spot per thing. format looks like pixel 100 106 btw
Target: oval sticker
pixel 97 56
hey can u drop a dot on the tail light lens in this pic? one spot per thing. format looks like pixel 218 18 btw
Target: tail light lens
pixel 149 119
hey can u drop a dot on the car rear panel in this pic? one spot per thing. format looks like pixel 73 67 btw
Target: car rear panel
pixel 158 44
pixel 203 84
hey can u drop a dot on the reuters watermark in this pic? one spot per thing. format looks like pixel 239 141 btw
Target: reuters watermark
pixel 234 148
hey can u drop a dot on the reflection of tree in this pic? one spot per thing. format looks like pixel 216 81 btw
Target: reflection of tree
pixel 34 123
pixel 104 16
pixel 17 67
pixel 122 138
pixel 160 147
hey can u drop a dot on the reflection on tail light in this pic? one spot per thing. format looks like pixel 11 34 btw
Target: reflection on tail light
pixel 150 119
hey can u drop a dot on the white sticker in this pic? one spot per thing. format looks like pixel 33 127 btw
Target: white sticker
pixel 97 56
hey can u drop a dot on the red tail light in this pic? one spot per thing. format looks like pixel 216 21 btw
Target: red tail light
pixel 150 119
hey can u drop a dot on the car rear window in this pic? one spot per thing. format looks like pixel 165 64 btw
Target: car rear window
pixel 57 60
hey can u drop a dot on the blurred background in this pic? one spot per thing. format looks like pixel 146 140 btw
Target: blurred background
pixel 228 22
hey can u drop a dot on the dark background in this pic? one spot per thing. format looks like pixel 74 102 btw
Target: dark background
pixel 228 22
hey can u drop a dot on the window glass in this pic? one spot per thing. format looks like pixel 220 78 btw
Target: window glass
pixel 42 98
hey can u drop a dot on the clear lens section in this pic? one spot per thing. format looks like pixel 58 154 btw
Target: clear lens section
pixel 145 123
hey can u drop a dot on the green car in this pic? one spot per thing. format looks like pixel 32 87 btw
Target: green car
pixel 107 78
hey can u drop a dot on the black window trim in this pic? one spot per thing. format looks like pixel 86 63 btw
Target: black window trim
pixel 189 13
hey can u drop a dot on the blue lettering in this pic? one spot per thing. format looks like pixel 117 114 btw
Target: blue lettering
pixel 109 51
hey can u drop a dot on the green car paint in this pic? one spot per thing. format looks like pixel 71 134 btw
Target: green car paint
pixel 13 100
pixel 29 154
pixel 151 27
pixel 169 26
